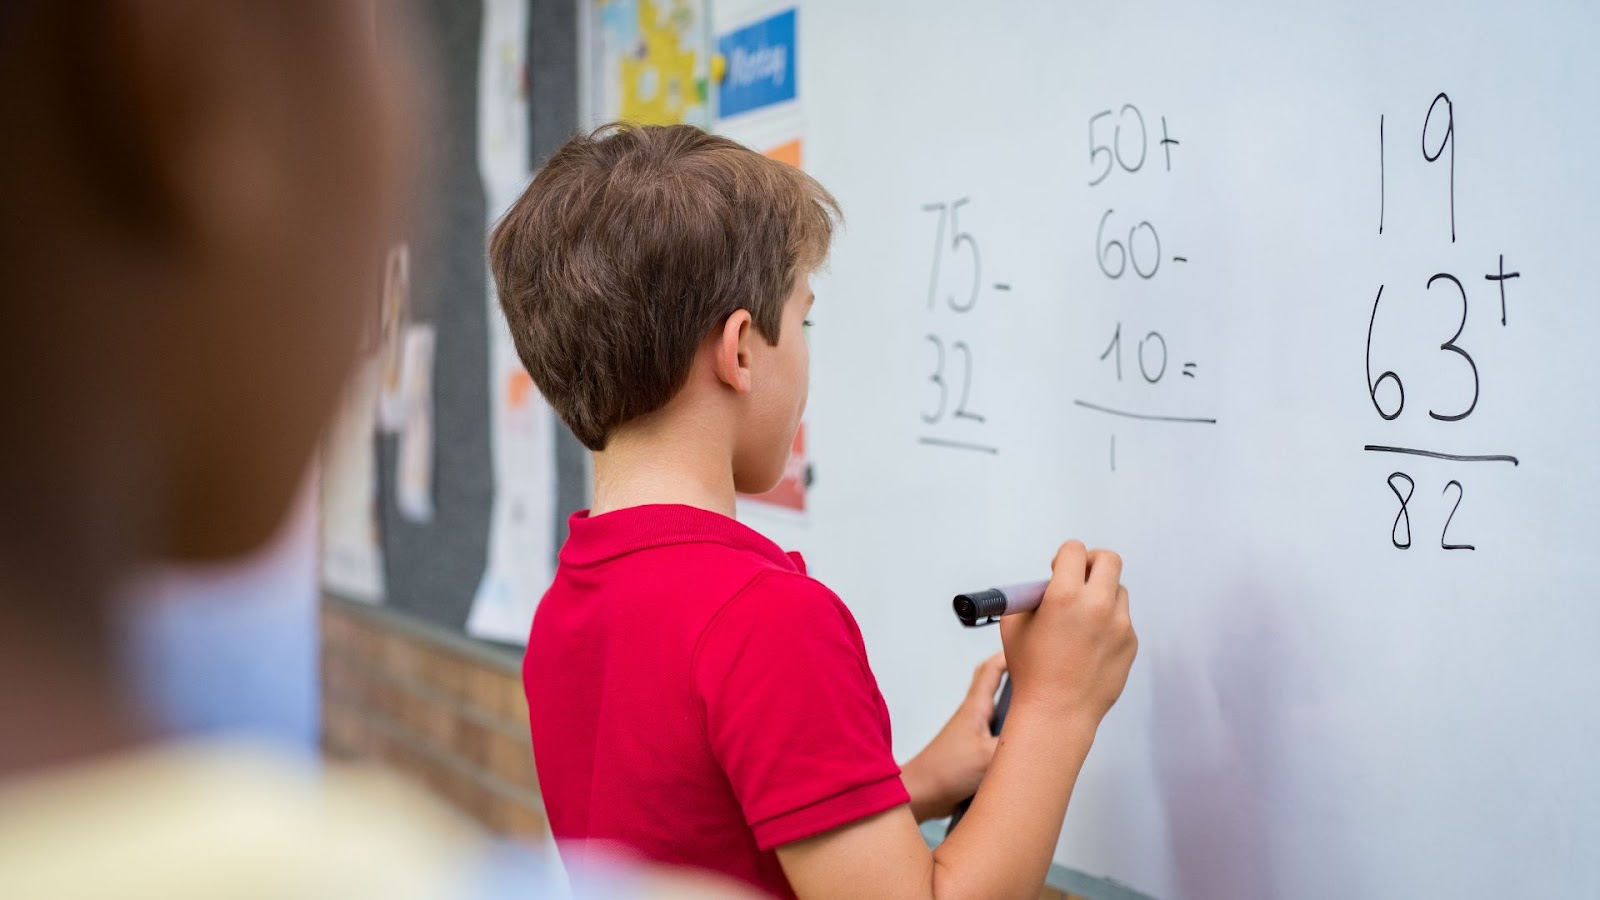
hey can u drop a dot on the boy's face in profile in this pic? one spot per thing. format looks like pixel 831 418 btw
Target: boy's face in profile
pixel 780 384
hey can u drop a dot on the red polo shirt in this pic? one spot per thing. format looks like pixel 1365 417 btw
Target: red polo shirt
pixel 695 697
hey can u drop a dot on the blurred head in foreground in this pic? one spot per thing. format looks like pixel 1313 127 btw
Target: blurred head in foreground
pixel 196 193
pixel 196 197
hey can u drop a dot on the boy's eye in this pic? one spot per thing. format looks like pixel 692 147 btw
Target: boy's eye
pixel 808 323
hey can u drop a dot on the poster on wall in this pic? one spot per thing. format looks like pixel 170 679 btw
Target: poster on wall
pixel 758 65
pixel 650 62
pixel 521 555
pixel 352 546
pixel 394 315
pixel 413 471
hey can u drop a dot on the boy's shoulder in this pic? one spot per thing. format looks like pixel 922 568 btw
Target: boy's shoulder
pixel 705 564
pixel 788 605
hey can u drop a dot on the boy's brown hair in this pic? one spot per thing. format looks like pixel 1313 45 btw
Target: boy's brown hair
pixel 633 245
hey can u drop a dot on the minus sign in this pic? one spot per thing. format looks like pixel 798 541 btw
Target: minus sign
pixel 1002 287
pixel 1180 259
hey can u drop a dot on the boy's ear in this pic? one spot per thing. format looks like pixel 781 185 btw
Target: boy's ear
pixel 731 359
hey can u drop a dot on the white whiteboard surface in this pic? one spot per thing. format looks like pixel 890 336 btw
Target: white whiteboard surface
pixel 1314 712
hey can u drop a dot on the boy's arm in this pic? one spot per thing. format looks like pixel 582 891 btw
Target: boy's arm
pixel 1002 848
pixel 1069 660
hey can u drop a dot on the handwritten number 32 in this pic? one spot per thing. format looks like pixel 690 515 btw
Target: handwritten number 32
pixel 961 411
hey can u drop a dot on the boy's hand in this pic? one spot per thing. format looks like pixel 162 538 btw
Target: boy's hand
pixel 1070 657
pixel 948 770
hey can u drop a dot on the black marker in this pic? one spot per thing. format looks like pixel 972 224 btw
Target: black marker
pixel 986 607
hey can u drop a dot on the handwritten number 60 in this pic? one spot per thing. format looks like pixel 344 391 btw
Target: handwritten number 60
pixel 1125 253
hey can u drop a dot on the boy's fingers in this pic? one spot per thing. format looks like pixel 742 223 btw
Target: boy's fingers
pixel 1105 570
pixel 986 679
pixel 1071 564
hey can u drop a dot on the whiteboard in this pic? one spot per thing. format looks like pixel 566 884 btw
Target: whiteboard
pixel 1315 712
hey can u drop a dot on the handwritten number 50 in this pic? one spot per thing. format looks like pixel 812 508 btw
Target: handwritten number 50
pixel 1114 150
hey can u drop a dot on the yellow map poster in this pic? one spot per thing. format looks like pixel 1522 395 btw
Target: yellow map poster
pixel 651 61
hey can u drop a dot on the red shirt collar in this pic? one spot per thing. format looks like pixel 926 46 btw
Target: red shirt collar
pixel 595 539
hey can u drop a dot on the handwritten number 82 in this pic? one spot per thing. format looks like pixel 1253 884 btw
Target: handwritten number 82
pixel 1400 533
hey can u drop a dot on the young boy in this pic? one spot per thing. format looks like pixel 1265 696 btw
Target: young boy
pixel 694 695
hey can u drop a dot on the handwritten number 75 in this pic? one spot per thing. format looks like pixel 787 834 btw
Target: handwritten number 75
pixel 959 241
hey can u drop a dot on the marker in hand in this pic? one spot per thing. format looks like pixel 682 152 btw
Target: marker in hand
pixel 986 607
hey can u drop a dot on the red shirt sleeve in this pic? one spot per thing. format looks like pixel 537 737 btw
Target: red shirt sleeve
pixel 793 713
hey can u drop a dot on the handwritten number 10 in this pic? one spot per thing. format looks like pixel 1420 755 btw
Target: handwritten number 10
pixel 1115 347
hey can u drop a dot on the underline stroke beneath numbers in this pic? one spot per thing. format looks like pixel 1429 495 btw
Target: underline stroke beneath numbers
pixel 957 445
pixel 1147 417
pixel 1453 457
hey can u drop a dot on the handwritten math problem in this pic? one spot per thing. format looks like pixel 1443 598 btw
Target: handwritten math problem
pixel 1122 145
pixel 1139 363
pixel 1387 389
pixel 955 286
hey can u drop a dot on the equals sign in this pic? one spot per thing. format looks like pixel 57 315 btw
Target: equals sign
pixel 1188 370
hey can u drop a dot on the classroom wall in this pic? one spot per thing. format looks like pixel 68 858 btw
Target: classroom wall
pixel 444 713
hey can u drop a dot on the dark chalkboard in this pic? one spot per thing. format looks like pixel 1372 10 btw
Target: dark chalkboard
pixel 432 570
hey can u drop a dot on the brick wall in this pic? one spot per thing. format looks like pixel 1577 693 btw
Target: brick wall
pixel 436 709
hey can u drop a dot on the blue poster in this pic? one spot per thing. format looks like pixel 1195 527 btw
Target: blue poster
pixel 760 65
